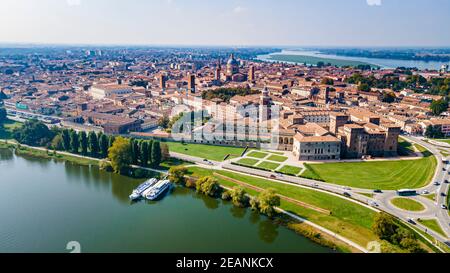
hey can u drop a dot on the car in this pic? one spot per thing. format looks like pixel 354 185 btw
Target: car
pixel 373 204
pixel 273 176
pixel 443 194
pixel 425 192
pixel 315 185
pixel 378 191
pixel 444 170
pixel 411 221
pixel 436 183
pixel 446 181
pixel 347 194
pixel 443 206
pixel 205 160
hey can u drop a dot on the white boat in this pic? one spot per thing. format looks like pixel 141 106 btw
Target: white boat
pixel 154 192
pixel 137 193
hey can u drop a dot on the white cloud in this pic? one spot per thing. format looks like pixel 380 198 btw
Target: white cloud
pixel 73 3
pixel 374 2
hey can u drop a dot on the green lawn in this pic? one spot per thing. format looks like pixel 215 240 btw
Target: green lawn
pixel 257 155
pixel 277 158
pixel 347 219
pixel 432 196
pixel 290 170
pixel 443 140
pixel 210 152
pixel 383 175
pixel 433 225
pixel 7 128
pixel 407 204
pixel 248 161
pixel 268 165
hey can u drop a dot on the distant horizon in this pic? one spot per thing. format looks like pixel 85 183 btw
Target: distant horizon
pixel 218 45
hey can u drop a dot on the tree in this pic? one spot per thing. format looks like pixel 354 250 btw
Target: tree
pixel 439 106
pixel 33 133
pixel 156 155
pixel 176 175
pixel 93 143
pixel 268 200
pixel 327 81
pixel 389 97
pixel 149 152
pixel 111 141
pixel 165 153
pixel 120 155
pixel 3 115
pixel 364 87
pixel 83 143
pixel 238 196
pixel 135 151
pixel 104 145
pixel 66 139
pixel 207 185
pixel 74 142
pixel 144 153
pixel 57 143
pixel 384 226
pixel 164 122
pixel 434 132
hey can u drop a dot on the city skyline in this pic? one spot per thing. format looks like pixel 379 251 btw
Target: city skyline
pixel 358 23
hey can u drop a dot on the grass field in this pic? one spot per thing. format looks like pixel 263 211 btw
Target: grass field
pixel 347 219
pixel 7 128
pixel 383 175
pixel 248 161
pixel 443 140
pixel 290 170
pixel 407 204
pixel 277 158
pixel 210 152
pixel 432 196
pixel 257 155
pixel 433 225
pixel 268 165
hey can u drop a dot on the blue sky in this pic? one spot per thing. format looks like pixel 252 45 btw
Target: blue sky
pixel 227 22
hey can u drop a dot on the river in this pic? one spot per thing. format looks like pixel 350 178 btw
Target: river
pixel 383 63
pixel 45 204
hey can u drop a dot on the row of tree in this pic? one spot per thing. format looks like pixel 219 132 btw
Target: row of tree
pixel 265 202
pixel 86 144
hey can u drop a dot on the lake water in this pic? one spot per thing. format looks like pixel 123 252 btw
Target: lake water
pixel 46 204
pixel 383 63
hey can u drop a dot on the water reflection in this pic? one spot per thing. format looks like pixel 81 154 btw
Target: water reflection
pixel 268 231
pixel 6 154
pixel 238 212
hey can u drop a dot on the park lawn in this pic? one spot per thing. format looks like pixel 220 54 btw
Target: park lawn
pixel 290 170
pixel 210 152
pixel 277 158
pixel 443 140
pixel 408 204
pixel 347 219
pixel 259 155
pixel 7 129
pixel 248 161
pixel 432 196
pixel 268 165
pixel 383 175
pixel 433 225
